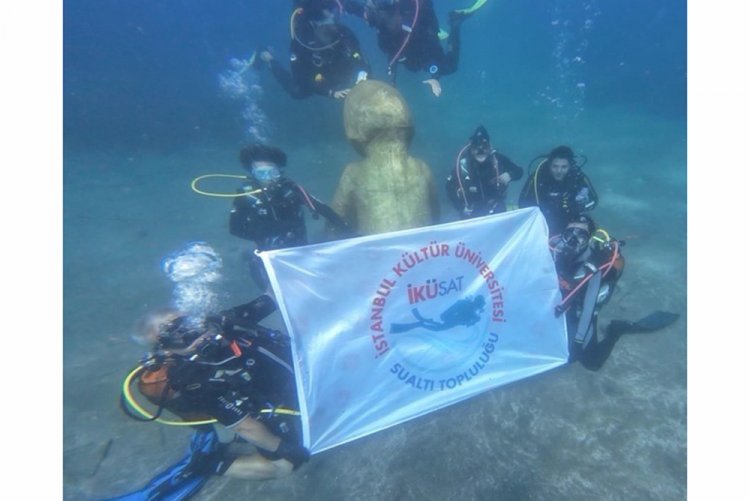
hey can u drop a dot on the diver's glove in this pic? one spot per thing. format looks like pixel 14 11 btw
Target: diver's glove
pixel 583 200
pixel 492 204
pixel 292 452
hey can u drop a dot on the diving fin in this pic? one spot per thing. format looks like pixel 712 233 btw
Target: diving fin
pixel 252 62
pixel 249 314
pixel 473 8
pixel 586 319
pixel 652 322
pixel 460 14
pixel 187 476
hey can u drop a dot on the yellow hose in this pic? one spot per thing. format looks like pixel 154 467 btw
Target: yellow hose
pixel 536 174
pixel 296 12
pixel 194 186
pixel 143 412
pixel 146 414
pixel 607 238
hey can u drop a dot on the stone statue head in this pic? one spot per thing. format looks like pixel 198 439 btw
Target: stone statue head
pixel 374 110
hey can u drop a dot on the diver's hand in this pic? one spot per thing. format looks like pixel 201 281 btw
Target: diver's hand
pixel 434 86
pixel 361 76
pixel 583 195
pixel 504 178
pixel 292 452
pixel 266 57
pixel 340 94
pixel 582 199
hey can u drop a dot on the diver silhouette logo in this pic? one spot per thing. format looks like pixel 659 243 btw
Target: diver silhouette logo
pixel 464 312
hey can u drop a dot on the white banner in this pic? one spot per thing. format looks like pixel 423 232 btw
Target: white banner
pixel 389 327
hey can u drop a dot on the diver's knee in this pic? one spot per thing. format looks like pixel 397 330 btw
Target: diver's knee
pixel 283 468
pixel 257 467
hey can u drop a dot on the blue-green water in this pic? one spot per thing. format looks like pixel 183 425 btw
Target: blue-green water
pixel 145 113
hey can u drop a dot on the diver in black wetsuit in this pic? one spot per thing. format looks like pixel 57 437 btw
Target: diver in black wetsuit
pixel 409 33
pixel 560 189
pixel 225 368
pixel 479 181
pixel 325 56
pixel 270 214
pixel 589 264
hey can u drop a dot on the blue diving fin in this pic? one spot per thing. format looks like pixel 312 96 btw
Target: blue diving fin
pixel 186 477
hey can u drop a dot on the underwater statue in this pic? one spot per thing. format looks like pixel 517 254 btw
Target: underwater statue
pixel 387 190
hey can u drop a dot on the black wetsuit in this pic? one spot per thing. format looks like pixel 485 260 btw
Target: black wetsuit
pixel 271 217
pixel 559 201
pixel 423 50
pixel 248 372
pixel 571 272
pixel 480 185
pixel 320 65
pixel 227 387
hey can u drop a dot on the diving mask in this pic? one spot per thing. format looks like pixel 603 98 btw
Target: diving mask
pixel 481 150
pixel 266 173
pixel 574 240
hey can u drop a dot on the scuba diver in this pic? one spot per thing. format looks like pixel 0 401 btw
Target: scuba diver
pixel 325 56
pixel 224 368
pixel 589 264
pixel 270 212
pixel 559 188
pixel 463 312
pixel 478 183
pixel 409 33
